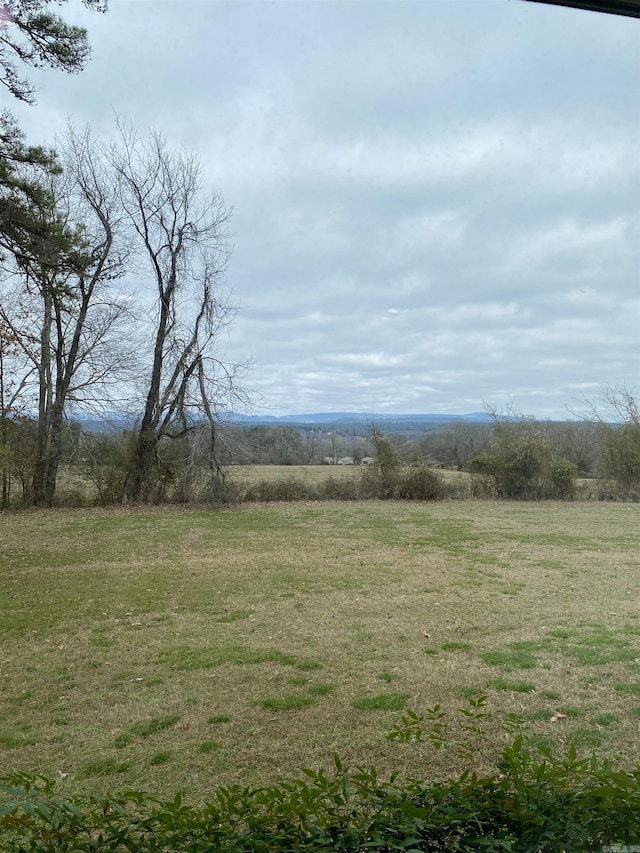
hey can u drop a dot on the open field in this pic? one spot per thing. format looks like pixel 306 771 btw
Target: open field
pixel 165 648
pixel 249 474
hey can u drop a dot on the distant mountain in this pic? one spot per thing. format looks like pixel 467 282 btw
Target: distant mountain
pixel 109 422
pixel 103 422
pixel 343 418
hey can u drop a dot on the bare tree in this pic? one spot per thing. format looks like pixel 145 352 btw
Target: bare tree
pixel 453 444
pixel 617 419
pixel 63 278
pixel 182 236
pixel 578 442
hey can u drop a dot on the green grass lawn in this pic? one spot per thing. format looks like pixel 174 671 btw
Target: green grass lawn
pixel 170 648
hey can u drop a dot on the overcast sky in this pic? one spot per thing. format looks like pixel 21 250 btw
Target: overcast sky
pixel 437 203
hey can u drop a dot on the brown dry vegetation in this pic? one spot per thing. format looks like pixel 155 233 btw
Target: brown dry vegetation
pixel 165 648
pixel 250 474
pixel 459 483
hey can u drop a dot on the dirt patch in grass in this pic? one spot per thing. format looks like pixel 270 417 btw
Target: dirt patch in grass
pixel 265 625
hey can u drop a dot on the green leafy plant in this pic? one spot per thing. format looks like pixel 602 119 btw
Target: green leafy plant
pixel 532 802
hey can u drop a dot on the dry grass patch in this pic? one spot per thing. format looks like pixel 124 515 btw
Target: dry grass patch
pixel 271 624
pixel 249 475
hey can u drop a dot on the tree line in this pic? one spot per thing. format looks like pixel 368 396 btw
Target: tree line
pixel 112 297
pixel 512 457
pixel 112 262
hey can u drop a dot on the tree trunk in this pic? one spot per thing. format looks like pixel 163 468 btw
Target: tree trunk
pixel 5 466
pixel 143 453
pixel 44 403
pixel 55 452
pixel 147 439
pixel 5 437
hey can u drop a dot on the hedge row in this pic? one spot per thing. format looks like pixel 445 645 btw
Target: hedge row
pixel 533 802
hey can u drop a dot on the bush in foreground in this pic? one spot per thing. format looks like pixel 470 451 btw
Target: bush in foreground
pixel 532 802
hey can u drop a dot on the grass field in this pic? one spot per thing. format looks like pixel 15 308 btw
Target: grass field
pixel 314 474
pixel 168 648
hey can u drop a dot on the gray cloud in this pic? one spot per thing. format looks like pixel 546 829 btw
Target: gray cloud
pixel 436 203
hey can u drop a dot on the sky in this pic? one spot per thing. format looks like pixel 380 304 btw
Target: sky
pixel 436 202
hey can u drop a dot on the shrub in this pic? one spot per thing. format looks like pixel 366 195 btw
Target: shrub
pixel 290 489
pixel 340 489
pixel 524 464
pixel 619 433
pixel 219 489
pixel 562 479
pixel 533 801
pixel 384 475
pixel 391 478
pixel 621 459
pixel 104 464
pixel 420 483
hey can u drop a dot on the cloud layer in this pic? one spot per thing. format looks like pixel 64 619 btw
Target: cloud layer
pixel 436 204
